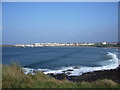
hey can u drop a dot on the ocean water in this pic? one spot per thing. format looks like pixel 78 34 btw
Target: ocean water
pixel 70 60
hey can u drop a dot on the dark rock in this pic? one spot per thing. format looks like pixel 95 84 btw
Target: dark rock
pixel 61 76
pixel 96 75
pixel 75 67
pixel 118 67
pixel 68 73
pixel 112 74
pixel 63 71
pixel 70 70
pixel 34 71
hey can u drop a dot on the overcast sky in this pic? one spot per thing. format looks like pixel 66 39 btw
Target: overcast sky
pixel 59 22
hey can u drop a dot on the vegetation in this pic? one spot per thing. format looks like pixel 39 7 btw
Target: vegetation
pixel 6 45
pixel 107 45
pixel 13 77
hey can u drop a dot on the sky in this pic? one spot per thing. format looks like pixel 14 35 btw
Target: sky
pixel 0 24
pixel 60 22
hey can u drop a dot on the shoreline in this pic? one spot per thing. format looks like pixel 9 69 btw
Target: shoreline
pixel 112 74
pixel 63 46
pixel 15 78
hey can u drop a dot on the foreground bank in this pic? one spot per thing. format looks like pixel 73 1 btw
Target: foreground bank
pixel 13 77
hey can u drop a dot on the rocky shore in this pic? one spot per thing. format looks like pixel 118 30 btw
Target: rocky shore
pixel 112 74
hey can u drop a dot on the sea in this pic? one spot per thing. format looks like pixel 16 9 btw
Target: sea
pixel 72 61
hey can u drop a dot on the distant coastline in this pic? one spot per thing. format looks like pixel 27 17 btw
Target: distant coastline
pixel 101 44
pixel 6 45
pixel 67 46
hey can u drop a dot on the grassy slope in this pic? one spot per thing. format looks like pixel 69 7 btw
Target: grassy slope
pixel 13 77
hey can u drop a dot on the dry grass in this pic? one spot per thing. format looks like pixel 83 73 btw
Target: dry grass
pixel 0 76
pixel 13 77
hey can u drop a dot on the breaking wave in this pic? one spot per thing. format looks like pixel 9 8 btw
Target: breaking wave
pixel 76 71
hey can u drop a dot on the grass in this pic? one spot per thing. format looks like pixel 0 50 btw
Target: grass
pixel 13 77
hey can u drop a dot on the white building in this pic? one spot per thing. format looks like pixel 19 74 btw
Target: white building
pixel 104 43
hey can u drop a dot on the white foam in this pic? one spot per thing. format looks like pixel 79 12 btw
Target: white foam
pixel 28 70
pixel 111 64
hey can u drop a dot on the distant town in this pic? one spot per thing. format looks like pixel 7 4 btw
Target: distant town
pixel 100 44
